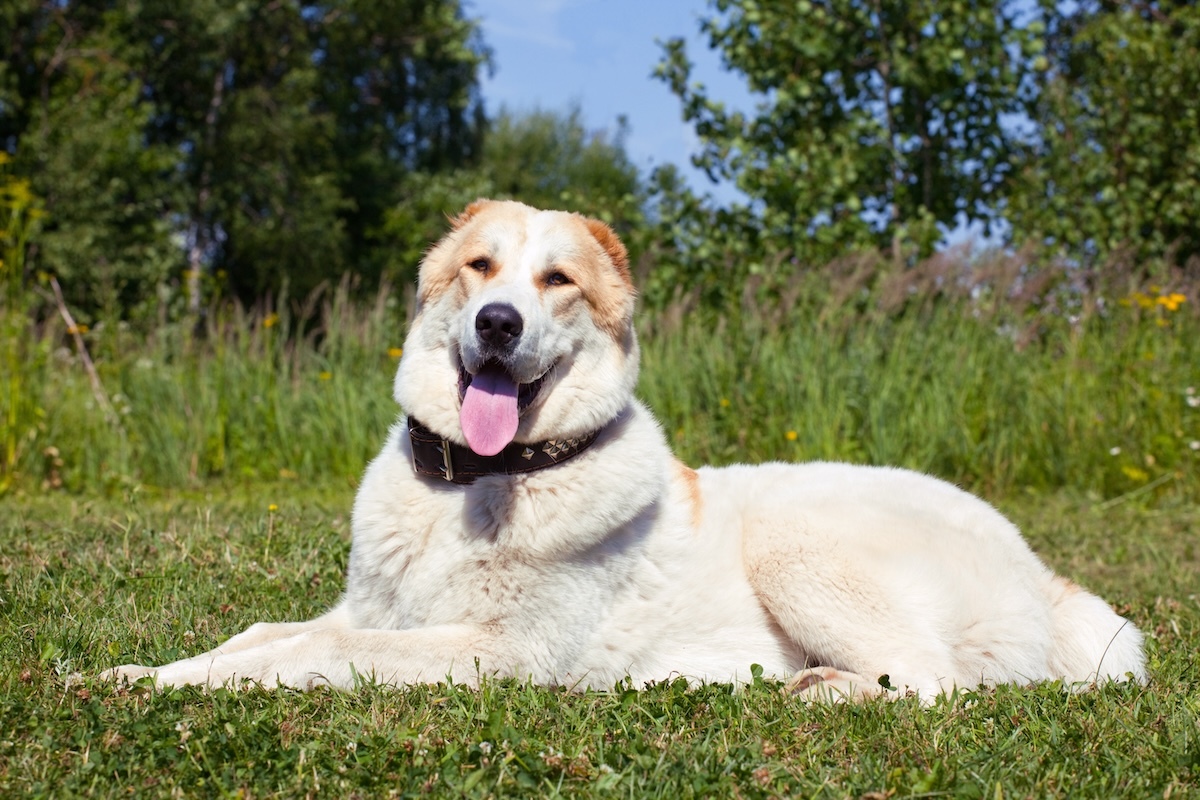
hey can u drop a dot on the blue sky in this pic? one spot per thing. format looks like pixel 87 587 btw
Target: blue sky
pixel 600 54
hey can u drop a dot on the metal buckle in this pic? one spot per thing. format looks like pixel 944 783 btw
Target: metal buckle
pixel 447 462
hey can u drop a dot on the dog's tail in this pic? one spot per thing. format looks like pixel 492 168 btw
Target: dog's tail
pixel 1092 643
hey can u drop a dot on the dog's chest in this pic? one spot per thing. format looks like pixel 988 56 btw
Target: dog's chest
pixel 430 569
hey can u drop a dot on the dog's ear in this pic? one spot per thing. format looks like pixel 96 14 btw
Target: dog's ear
pixel 471 210
pixel 611 244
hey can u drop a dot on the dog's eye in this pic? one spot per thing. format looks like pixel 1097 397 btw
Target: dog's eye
pixel 557 279
pixel 481 265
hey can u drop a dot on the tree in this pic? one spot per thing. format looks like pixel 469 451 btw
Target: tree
pixel 544 158
pixel 270 137
pixel 75 119
pixel 551 160
pixel 1115 165
pixel 301 121
pixel 876 119
pixel 400 77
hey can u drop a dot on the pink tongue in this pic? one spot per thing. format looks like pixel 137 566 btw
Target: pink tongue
pixel 489 411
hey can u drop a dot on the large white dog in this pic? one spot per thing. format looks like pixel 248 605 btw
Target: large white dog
pixel 527 519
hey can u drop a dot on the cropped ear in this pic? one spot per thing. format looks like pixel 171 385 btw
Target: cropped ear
pixel 611 244
pixel 471 210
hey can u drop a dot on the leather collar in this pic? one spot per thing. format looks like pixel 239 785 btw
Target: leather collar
pixel 436 457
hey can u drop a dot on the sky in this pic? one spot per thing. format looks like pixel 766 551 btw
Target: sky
pixel 600 55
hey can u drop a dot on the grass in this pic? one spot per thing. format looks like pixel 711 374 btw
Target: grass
pixel 216 494
pixel 92 582
pixel 1097 394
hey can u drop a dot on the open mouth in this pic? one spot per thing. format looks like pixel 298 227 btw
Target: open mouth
pixel 492 402
pixel 492 369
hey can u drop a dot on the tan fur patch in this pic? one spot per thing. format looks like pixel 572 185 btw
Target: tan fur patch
pixel 608 286
pixel 471 210
pixel 691 487
pixel 612 246
pixel 440 268
pixel 1068 587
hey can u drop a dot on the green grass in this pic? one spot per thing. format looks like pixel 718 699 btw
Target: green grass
pixel 91 583
pixel 148 535
pixel 1077 392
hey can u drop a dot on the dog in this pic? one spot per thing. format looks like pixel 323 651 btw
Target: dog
pixel 527 519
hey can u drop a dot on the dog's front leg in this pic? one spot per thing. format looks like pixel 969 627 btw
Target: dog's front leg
pixel 256 635
pixel 340 658
pixel 262 632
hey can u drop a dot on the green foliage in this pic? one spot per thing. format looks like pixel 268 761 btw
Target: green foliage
pixel 400 79
pixel 79 123
pixel 987 374
pixel 875 121
pixel 22 360
pixel 543 158
pixel 881 124
pixel 998 375
pixel 550 160
pixel 697 248
pixel 87 584
pixel 259 141
pixel 1115 168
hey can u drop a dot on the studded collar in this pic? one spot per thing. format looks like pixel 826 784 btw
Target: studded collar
pixel 437 457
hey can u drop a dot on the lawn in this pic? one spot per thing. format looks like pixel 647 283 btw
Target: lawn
pixel 89 583
pixel 193 485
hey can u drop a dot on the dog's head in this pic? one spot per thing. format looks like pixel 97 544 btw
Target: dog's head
pixel 523 329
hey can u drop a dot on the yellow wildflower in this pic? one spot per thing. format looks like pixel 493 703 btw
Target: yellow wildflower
pixel 325 375
pixel 1135 473
pixel 395 352
pixel 272 508
pixel 270 320
pixel 791 436
pixel 724 402
pixel 1172 301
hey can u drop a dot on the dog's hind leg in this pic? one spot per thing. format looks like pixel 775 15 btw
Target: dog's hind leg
pixel 829 685
pixel 863 636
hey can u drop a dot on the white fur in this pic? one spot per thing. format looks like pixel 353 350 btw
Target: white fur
pixel 623 563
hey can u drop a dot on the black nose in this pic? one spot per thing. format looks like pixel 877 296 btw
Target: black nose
pixel 498 324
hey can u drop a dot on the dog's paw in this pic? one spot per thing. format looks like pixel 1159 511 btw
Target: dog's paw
pixel 180 673
pixel 829 685
pixel 128 673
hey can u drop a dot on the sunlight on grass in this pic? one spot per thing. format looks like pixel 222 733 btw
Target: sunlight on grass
pixel 221 497
pixel 88 584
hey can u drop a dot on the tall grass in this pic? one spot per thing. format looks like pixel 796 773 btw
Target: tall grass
pixel 263 394
pixel 962 377
pixel 995 374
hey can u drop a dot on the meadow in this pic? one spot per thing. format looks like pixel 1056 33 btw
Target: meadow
pixel 200 479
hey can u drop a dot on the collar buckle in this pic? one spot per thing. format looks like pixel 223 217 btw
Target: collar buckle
pixel 447 460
